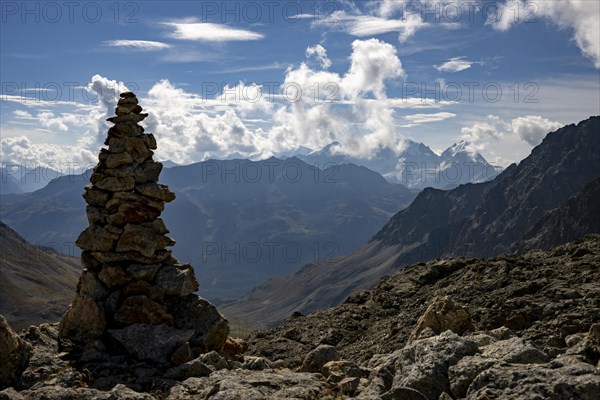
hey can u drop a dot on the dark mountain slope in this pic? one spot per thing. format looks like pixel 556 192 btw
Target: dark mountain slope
pixel 52 216
pixel 578 216
pixel 36 284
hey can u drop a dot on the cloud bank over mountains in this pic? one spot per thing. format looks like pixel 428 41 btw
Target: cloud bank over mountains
pixel 312 108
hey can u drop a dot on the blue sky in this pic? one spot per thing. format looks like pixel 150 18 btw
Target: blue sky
pixel 223 78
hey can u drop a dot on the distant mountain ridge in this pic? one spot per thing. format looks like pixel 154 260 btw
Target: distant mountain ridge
pixel 19 178
pixel 416 166
pixel 484 219
pixel 239 222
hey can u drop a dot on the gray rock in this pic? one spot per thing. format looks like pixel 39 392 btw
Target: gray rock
pixel 96 238
pixel 91 287
pixel 114 276
pixel 403 393
pixel 96 215
pixel 127 118
pixel 465 371
pixel 244 384
pixel 83 321
pixel 123 109
pixel 131 256
pixel 589 346
pixel 177 281
pixel 536 381
pixel 143 271
pixel 199 315
pixel 182 354
pixel 116 184
pixel 133 213
pixel 335 371
pixel 125 129
pixel 349 385
pixel 95 197
pixel 515 350
pixel 423 364
pixel 256 363
pixel 120 198
pixel 156 191
pixel 151 342
pixel 140 239
pixel 214 360
pixel 134 146
pixel 10 394
pixel 151 170
pixel 150 141
pixel 115 160
pixel 314 361
pixel 194 368
pixel 14 354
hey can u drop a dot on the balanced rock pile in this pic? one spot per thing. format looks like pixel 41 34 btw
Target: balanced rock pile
pixel 133 296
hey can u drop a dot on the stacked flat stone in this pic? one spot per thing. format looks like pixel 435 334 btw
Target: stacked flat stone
pixel 133 294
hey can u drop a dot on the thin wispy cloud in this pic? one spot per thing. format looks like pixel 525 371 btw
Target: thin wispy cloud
pixel 210 32
pixel 425 118
pixel 455 64
pixel 302 16
pixel 143 45
pixel 360 24
pixel 366 25
pixel 266 67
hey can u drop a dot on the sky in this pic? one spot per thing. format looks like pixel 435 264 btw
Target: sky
pixel 253 79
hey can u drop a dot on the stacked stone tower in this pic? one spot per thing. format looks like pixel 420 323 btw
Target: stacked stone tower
pixel 133 295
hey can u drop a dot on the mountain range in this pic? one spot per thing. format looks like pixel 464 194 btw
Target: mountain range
pixel 238 222
pixel 17 178
pixel 415 165
pixel 511 213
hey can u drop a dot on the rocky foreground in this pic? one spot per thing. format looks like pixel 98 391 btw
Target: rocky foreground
pixel 504 328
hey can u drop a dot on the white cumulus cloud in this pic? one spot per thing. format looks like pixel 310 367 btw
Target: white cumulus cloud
pixel 580 16
pixel 319 53
pixel 533 128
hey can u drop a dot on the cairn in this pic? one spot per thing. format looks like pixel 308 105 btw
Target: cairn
pixel 133 296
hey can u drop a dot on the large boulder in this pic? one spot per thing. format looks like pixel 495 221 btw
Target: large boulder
pixel 421 365
pixel 441 315
pixel 83 321
pixel 14 355
pixel 317 358
pixel 210 327
pixel 151 342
